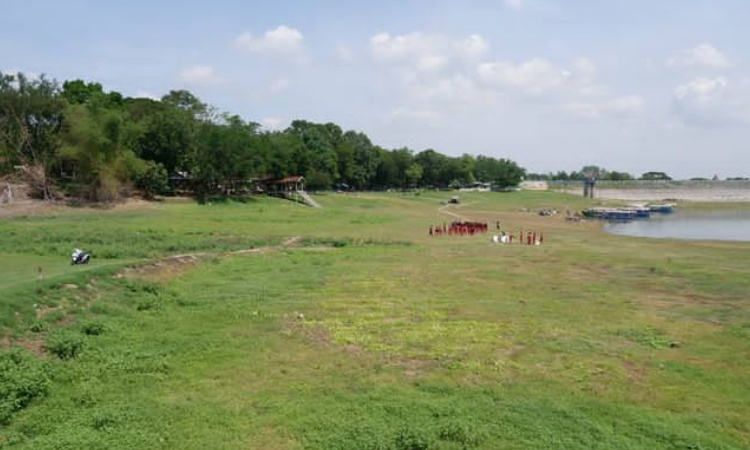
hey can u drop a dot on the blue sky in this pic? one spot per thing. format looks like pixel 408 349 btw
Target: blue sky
pixel 553 84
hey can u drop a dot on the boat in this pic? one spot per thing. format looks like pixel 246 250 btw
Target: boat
pixel 664 208
pixel 611 213
pixel 641 212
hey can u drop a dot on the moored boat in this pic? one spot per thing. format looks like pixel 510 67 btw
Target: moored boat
pixel 663 208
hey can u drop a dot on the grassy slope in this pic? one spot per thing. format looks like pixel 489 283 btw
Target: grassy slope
pixel 590 341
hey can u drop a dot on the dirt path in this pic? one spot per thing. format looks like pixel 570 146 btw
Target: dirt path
pixel 444 209
pixel 168 266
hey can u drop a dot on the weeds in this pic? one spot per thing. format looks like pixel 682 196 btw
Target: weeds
pixel 23 378
pixel 65 344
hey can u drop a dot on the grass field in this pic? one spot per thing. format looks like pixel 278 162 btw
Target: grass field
pixel 365 332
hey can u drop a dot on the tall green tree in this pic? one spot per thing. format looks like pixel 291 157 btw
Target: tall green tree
pixel 433 166
pixel 366 159
pixel 168 138
pixel 99 141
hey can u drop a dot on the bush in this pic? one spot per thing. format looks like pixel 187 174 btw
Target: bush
pixel 65 345
pixel 38 326
pixel 152 179
pixel 412 439
pixel 464 434
pixel 23 377
pixel 93 328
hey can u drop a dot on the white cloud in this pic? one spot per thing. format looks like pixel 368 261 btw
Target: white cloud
pixel 702 56
pixel 702 88
pixel 426 52
pixel 585 68
pixel 282 40
pixel 428 116
pixel 579 111
pixel 200 75
pixel 534 77
pixel 279 85
pixel 473 46
pixel 626 106
pixel 344 53
pixel 712 102
pixel 515 4
pixel 455 89
pixel 273 124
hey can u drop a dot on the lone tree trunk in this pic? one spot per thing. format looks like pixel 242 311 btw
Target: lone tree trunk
pixel 39 182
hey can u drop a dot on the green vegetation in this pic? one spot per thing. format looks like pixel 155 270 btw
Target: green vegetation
pixel 86 143
pixel 366 333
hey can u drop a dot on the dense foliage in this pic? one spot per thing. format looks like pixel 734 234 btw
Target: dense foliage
pixel 599 173
pixel 97 145
pixel 22 379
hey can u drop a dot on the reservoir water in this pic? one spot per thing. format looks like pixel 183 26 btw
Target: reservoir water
pixel 724 225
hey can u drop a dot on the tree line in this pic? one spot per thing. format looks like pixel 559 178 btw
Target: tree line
pixel 599 173
pixel 80 140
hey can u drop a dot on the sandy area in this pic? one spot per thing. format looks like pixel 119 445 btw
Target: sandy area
pixel 37 207
pixel 27 207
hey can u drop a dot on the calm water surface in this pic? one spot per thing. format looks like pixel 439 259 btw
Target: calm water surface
pixel 724 225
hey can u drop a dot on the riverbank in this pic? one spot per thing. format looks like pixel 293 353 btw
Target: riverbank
pixel 368 332
pixel 702 195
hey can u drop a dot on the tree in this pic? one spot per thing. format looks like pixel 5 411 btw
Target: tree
pixel 186 101
pixel 655 176
pixel 413 174
pixel 151 178
pixel 99 141
pixel 168 138
pixel 103 142
pixel 31 118
pixel 366 159
pixel 403 160
pixel 509 174
pixel 321 142
pixel 433 165
pixel 619 176
pixel 78 92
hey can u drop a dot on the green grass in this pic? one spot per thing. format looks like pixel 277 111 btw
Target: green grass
pixel 372 335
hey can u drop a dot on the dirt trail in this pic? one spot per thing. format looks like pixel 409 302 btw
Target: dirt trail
pixel 169 266
pixel 444 209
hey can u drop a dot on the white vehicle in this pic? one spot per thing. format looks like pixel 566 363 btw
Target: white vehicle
pixel 79 257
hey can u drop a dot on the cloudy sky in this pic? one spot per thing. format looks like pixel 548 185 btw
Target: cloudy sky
pixel 634 85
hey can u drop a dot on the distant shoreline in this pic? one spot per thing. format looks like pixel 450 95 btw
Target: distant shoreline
pixel 712 195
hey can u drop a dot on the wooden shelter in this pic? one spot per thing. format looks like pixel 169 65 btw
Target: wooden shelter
pixel 292 188
pixel 284 185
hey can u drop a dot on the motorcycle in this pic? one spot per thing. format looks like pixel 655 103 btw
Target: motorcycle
pixel 79 257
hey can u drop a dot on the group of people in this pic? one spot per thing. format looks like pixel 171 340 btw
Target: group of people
pixel 530 237
pixel 463 228
pixel 466 228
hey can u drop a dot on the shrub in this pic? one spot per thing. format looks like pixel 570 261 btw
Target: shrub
pixel 152 179
pixel 464 434
pixel 65 345
pixel 148 304
pixel 23 377
pixel 93 328
pixel 38 326
pixel 411 439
